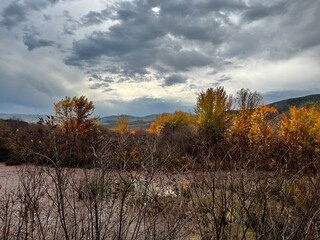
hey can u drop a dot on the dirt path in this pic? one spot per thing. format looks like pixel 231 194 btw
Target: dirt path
pixel 8 177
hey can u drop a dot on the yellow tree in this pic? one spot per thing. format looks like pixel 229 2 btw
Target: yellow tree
pixel 122 125
pixel 211 109
pixel 301 131
pixel 261 128
pixel 173 121
pixel 247 102
pixel 74 115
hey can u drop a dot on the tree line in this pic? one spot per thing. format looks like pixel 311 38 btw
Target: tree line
pixel 224 131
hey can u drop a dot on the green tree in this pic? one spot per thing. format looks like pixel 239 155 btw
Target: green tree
pixel 211 109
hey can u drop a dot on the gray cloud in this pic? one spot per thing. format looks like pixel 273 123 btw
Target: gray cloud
pixel 183 36
pixel 46 17
pixel 164 41
pixel 33 42
pixel 224 78
pixel 260 11
pixel 70 25
pixel 175 79
pixel 95 18
pixel 129 41
pixel 184 60
pixel 142 39
pixel 17 11
pixel 12 15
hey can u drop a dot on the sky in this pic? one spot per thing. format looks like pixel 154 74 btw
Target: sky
pixel 143 57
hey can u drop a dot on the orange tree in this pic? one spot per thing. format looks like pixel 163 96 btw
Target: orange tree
pixel 79 129
pixel 301 132
pixel 74 115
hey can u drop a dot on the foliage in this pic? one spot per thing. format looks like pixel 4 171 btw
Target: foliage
pixel 171 121
pixel 252 134
pixel 301 131
pixel 122 125
pixel 261 129
pixel 74 115
pixel 211 109
pixel 253 127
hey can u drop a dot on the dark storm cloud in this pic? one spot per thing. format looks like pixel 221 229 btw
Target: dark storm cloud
pixel 142 38
pixel 17 11
pixel 175 79
pixel 180 36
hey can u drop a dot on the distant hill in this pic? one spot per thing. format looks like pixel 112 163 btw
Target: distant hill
pixel 109 121
pixel 30 118
pixel 133 122
pixel 284 105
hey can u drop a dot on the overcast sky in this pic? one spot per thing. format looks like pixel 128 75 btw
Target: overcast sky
pixel 141 57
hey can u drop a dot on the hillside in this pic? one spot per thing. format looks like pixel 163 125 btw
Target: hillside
pixel 284 105
pixel 133 122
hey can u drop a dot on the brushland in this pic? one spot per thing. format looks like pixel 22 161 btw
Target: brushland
pixel 215 174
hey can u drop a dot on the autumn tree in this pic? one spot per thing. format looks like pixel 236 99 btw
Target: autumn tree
pixel 171 121
pixel 247 100
pixel 211 110
pixel 301 132
pixel 122 125
pixel 247 103
pixel 261 125
pixel 74 115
